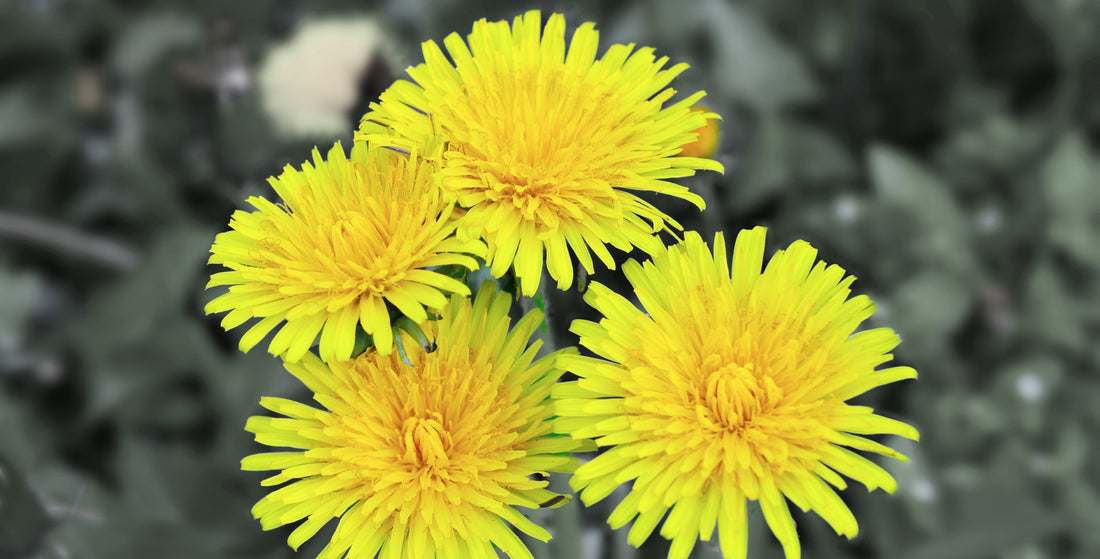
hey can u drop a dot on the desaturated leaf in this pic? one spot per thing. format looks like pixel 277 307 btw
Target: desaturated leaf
pixel 819 156
pixel 1052 313
pixel 18 294
pixel 1027 386
pixel 753 65
pixel 20 435
pixel 762 543
pixel 927 309
pixel 245 136
pixel 79 508
pixel 136 333
pixel 943 238
pixel 565 521
pixel 170 487
pixel 151 37
pixel 785 154
pixel 23 522
pixel 766 168
pixel 1070 183
pixel 1070 25
pixel 133 536
pixel 150 486
pixel 24 117
pixel 130 310
pixel 884 522
pixel 148 188
pixel 1083 505
pixel 35 137
pixel 918 485
pixel 991 521
pixel 994 146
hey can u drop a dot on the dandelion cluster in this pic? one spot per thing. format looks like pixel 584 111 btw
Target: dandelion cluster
pixel 438 421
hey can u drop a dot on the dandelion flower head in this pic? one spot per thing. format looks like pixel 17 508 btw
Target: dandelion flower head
pixel 730 386
pixel 351 238
pixel 423 461
pixel 543 144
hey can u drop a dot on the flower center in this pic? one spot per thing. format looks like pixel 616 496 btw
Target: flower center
pixel 361 269
pixel 544 189
pixel 550 151
pixel 734 395
pixel 427 442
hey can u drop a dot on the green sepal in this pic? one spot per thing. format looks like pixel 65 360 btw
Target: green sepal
pixel 455 271
pixel 400 345
pixel 363 341
pixel 542 307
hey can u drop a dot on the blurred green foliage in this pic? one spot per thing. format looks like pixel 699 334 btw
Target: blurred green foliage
pixel 945 152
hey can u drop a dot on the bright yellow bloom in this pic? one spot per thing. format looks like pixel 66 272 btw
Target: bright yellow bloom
pixel 349 237
pixel 730 386
pixel 423 461
pixel 542 146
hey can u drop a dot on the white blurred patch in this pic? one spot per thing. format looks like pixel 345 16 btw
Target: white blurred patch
pixel 311 81
pixel 989 220
pixel 883 308
pixel 97 149
pixel 1040 463
pixel 846 209
pixel 592 543
pixel 924 490
pixel 233 81
pixel 1030 387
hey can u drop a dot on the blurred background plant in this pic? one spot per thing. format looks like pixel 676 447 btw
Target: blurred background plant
pixel 945 152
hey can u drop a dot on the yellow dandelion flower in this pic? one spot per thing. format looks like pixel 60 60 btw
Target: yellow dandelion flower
pixel 423 461
pixel 543 146
pixel 350 236
pixel 730 386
